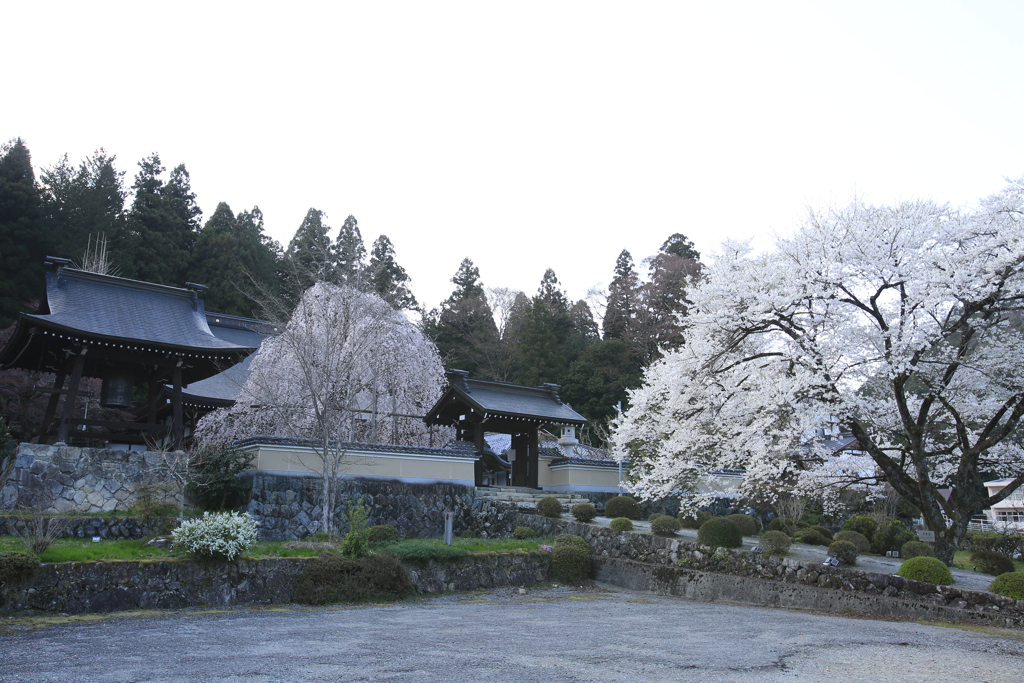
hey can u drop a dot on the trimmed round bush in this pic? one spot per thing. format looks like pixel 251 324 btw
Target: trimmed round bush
pixel 217 535
pixel 653 516
pixel 825 533
pixel 621 524
pixel 916 549
pixel 1010 584
pixel 775 543
pixel 844 551
pixel 747 524
pixel 783 524
pixel 382 533
pixel 862 524
pixel 693 519
pixel 523 532
pixel 570 563
pixel 663 525
pixel 891 535
pixel 572 539
pixel 927 569
pixel 622 506
pixel 719 532
pixel 549 506
pixel 810 537
pixel 17 565
pixel 584 512
pixel 991 562
pixel 856 538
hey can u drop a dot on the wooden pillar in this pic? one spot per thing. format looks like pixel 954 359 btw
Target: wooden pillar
pixel 177 423
pixel 534 460
pixel 152 394
pixel 478 467
pixel 69 399
pixel 51 406
pixel 520 466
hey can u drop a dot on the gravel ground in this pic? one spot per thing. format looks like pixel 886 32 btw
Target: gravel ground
pixel 550 634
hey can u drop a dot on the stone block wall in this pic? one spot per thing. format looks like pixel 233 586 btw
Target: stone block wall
pixel 676 562
pixel 69 478
pixel 289 507
pixel 77 587
pixel 87 527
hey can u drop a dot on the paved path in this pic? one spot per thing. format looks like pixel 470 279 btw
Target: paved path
pixel 547 635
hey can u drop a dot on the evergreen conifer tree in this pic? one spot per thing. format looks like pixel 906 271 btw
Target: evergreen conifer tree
pixel 350 253
pixel 23 243
pixel 387 278
pixel 464 329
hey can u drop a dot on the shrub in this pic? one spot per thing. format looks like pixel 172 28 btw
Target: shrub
pixel 523 532
pixel 382 533
pixel 856 538
pixel 784 525
pixel 549 507
pixel 664 525
pixel 653 516
pixel 622 506
pixel 926 569
pixel 356 543
pixel 155 500
pixel 775 543
pixel 719 532
pixel 891 535
pixel 213 477
pixel 810 537
pixel 694 518
pixel 584 512
pixel 217 535
pixel 825 533
pixel 621 524
pixel 15 565
pixel 916 549
pixel 747 524
pixel 571 539
pixel 844 551
pixel 991 562
pixel 1010 584
pixel 1001 543
pixel 331 578
pixel 863 525
pixel 570 563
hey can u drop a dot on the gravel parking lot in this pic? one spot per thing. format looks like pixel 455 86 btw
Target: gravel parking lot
pixel 549 634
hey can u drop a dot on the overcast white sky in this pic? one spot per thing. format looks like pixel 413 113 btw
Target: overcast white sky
pixel 529 135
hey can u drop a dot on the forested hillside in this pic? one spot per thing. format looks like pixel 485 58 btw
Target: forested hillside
pixel 153 230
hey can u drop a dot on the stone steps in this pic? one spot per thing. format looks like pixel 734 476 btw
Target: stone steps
pixel 528 497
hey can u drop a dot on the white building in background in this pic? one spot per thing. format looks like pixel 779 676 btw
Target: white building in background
pixel 1008 513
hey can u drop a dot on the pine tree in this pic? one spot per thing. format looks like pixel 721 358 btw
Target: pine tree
pixel 23 243
pixel 464 329
pixel 387 278
pixel 162 226
pixel 547 329
pixel 309 254
pixel 623 301
pixel 84 204
pixel 350 253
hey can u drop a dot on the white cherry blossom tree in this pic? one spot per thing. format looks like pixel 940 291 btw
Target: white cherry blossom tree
pixel 903 323
pixel 347 367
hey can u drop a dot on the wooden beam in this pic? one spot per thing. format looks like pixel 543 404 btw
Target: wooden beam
pixel 177 424
pixel 69 400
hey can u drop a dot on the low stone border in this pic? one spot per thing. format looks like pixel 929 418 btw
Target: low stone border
pixel 77 587
pixel 647 553
pixel 87 527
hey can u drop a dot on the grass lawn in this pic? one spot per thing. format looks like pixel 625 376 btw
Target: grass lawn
pixel 962 560
pixel 84 549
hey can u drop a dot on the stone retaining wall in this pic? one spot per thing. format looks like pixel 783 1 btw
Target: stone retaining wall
pixel 77 587
pixel 288 507
pixel 69 478
pixel 87 527
pixel 677 564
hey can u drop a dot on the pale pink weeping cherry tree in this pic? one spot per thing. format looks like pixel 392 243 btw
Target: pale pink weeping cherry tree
pixel 348 367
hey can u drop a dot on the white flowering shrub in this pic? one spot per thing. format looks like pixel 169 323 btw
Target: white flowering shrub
pixel 217 535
